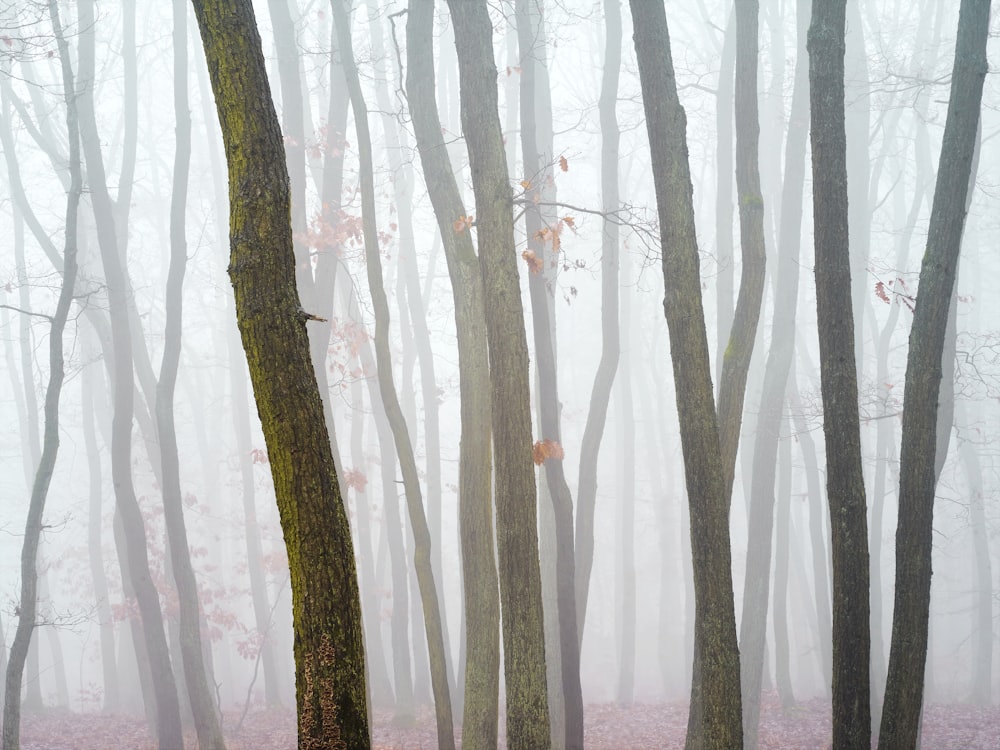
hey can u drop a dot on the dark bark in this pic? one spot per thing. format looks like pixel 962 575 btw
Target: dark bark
pixel 516 496
pixel 206 720
pixel 918 476
pixel 28 604
pixel 845 481
pixel 329 645
pixel 715 640
pixel 482 605
pixel 770 414
pixel 387 389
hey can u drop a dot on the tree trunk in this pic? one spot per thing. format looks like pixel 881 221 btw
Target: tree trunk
pixel 329 644
pixel 844 478
pixel 482 605
pixel 770 414
pixel 715 628
pixel 28 604
pixel 206 720
pixel 390 399
pixel 516 496
pixel 600 395
pixel 918 476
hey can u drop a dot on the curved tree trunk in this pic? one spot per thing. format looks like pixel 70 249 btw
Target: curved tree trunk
pixel 329 643
pixel 390 399
pixel 28 605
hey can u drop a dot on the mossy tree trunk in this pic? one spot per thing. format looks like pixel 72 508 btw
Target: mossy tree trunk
pixel 329 650
pixel 516 494
pixel 717 657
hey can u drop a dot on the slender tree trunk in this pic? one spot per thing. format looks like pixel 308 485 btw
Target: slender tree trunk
pixel 716 653
pixel 206 720
pixel 516 496
pixel 844 478
pixel 782 675
pixel 600 395
pixel 390 399
pixel 918 475
pixel 28 605
pixel 329 641
pixel 770 414
pixel 482 606
pixel 626 502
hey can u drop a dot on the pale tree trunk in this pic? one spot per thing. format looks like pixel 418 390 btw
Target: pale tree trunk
pixel 782 676
pixel 479 575
pixel 716 704
pixel 206 720
pixel 770 413
pixel 626 502
pixel 918 470
pixel 600 394
pixel 28 604
pixel 516 495
pixel 839 383
pixel 390 399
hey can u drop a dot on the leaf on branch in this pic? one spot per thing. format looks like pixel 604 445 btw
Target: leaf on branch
pixel 526 184
pixel 533 261
pixel 880 292
pixel 356 479
pixel 543 450
pixel 563 164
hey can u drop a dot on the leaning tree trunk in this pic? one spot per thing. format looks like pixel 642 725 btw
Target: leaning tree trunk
pixel 715 624
pixel 28 605
pixel 917 475
pixel 516 495
pixel 479 576
pixel 390 399
pixel 329 644
pixel 844 479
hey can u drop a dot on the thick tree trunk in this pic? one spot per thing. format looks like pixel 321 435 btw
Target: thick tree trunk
pixel 329 643
pixel 516 496
pixel 718 696
pixel 918 475
pixel 482 605
pixel 845 481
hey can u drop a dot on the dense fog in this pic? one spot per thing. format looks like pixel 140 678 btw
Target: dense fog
pixel 637 641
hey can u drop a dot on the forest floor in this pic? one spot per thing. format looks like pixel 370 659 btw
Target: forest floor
pixel 607 727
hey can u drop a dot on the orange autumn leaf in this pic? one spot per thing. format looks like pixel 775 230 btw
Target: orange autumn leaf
pixel 533 261
pixel 543 450
pixel 563 164
pixel 462 223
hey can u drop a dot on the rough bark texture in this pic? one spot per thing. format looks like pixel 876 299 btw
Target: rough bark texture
pixel 387 389
pixel 907 656
pixel 482 602
pixel 844 480
pixel 28 604
pixel 329 655
pixel 720 724
pixel 516 497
